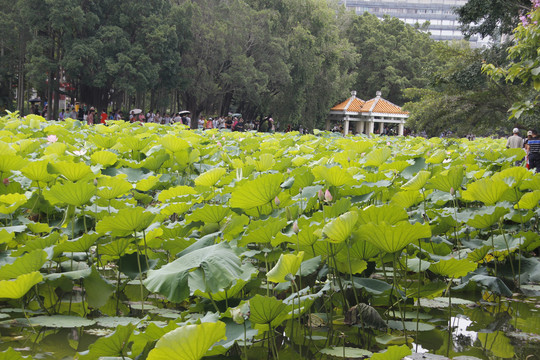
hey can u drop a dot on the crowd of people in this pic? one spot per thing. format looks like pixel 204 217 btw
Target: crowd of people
pixel 531 144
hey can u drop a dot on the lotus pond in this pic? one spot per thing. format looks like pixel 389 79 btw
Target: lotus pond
pixel 157 242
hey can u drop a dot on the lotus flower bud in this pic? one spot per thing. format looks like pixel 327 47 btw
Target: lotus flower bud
pixel 388 143
pixel 295 227
pixel 327 196
pixel 321 195
pixel 213 136
pixel 277 201
pixel 348 159
pixel 237 315
pixel 6 181
pixel 452 191
pixel 218 143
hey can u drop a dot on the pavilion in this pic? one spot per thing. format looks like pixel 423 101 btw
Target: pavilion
pixel 364 114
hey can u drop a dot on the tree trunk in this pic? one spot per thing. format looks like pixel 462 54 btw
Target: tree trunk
pixel 20 75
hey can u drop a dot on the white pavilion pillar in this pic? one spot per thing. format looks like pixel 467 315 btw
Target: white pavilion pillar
pixel 359 127
pixel 346 127
pixel 371 126
pixel 400 128
pixel 381 128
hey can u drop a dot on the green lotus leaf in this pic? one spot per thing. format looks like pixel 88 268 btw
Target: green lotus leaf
pixel 60 321
pixel 173 143
pixel 10 162
pixel 517 173
pixel 174 192
pixel 410 325
pixel 72 171
pixel 484 217
pixel 37 171
pixel 532 183
pixel 29 262
pixel 211 177
pixel 406 199
pixel 126 221
pixel 196 283
pixel 417 265
pixel 378 156
pixel 112 187
pixel 57 149
pixel 393 352
pixel 264 163
pixel 447 180
pixel 340 229
pixel 334 176
pixel 398 166
pixel 98 289
pixel 393 238
pixel 498 344
pixel 493 284
pixel 38 228
pixel 346 352
pixel 362 249
pixel 256 192
pixel 189 342
pixel 487 190
pixel 104 158
pixel 15 289
pixel 9 203
pixel 81 244
pixel 11 354
pixel 111 345
pixel 437 158
pixel 209 214
pixel 155 161
pixel 71 193
pixel 286 267
pixel 389 214
pixel 105 142
pixel 372 286
pixel 116 247
pixel 262 231
pixel 175 208
pixel 478 255
pixel 26 146
pixel 221 266
pixel 134 143
pixel 417 182
pixel 529 200
pixel 453 267
pixel 147 184
pixel 266 310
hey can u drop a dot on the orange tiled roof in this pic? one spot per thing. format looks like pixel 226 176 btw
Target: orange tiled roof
pixel 353 104
pixel 380 105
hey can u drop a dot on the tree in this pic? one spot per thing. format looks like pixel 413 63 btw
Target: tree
pixel 395 56
pixel 491 17
pixel 460 97
pixel 523 68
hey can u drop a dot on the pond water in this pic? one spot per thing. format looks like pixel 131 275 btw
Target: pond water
pixel 508 329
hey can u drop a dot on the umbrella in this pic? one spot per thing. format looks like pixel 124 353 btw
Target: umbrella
pixel 135 111
pixel 238 115
pixel 184 112
pixel 36 100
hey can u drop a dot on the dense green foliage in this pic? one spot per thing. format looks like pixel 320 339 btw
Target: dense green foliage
pixel 289 59
pixel 180 244
pixel 493 18
pixel 461 98
pixel 523 67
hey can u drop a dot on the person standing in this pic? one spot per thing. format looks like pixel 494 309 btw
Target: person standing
pixel 515 141
pixel 90 117
pixel 533 148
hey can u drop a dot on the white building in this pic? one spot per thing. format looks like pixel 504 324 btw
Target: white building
pixel 443 21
